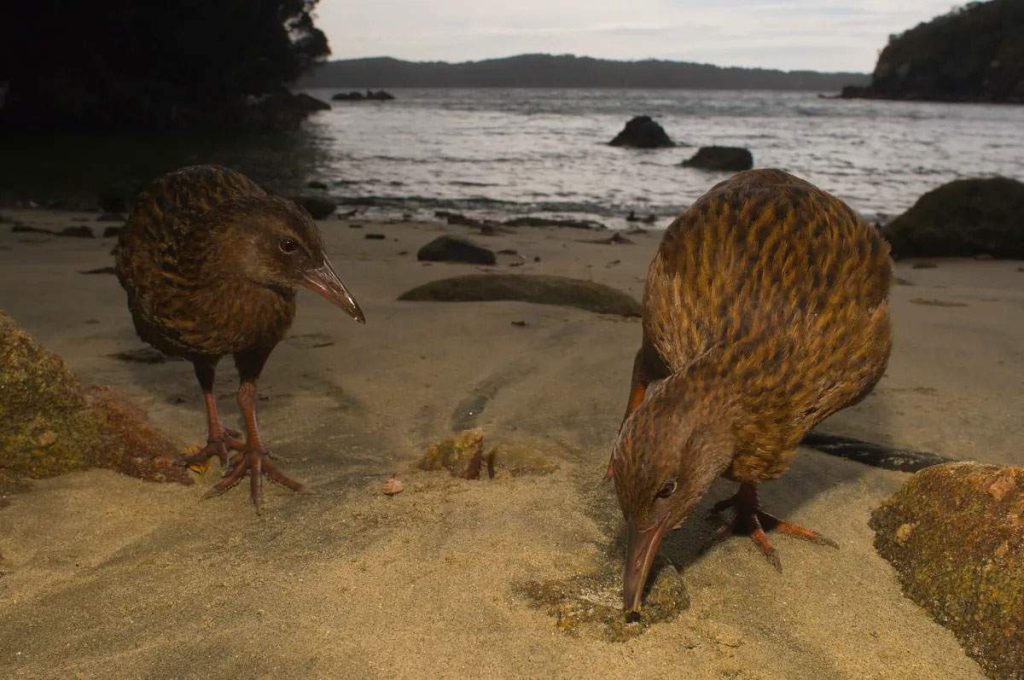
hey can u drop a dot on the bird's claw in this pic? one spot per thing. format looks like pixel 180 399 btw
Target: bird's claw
pixel 749 519
pixel 218 447
pixel 258 463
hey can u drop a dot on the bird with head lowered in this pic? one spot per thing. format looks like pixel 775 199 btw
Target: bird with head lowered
pixel 765 311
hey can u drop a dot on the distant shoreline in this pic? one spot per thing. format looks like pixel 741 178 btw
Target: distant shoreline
pixel 568 71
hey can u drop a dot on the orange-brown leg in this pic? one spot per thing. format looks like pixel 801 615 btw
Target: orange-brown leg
pixel 749 519
pixel 220 440
pixel 254 459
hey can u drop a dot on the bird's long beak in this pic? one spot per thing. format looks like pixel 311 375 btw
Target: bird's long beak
pixel 641 550
pixel 324 281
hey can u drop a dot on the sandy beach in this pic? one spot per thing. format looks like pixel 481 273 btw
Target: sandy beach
pixel 104 576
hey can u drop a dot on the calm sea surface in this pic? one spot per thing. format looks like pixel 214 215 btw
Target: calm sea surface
pixel 503 153
pixel 523 151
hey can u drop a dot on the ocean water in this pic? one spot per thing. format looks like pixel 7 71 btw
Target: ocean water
pixel 508 152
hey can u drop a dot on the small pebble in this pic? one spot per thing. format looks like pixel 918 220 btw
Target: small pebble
pixel 391 487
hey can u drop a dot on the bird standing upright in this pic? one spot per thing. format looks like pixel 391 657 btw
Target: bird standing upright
pixel 765 311
pixel 210 263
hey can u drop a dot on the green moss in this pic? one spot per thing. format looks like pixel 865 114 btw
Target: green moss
pixel 51 424
pixel 955 534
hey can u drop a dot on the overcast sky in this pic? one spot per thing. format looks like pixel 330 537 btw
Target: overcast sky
pixel 824 35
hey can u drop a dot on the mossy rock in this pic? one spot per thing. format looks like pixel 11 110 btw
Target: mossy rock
pixel 963 218
pixel 591 604
pixel 542 290
pixel 955 534
pixel 51 424
pixel 462 455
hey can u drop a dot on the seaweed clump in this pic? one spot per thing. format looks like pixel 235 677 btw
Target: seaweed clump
pixel 591 604
pixel 51 424
pixel 955 534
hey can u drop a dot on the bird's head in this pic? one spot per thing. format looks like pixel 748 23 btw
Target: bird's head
pixel 275 243
pixel 668 453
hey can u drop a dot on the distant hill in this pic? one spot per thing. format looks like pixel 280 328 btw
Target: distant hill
pixel 974 53
pixel 545 70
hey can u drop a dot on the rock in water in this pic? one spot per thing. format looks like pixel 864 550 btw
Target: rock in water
pixel 955 534
pixel 455 249
pixel 319 207
pixel 963 218
pixel 724 158
pixel 541 290
pixel 642 133
pixel 50 423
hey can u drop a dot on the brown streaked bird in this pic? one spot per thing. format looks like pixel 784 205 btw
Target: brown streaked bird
pixel 765 311
pixel 211 263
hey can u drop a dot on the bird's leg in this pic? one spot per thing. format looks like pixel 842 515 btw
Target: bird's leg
pixel 219 439
pixel 255 458
pixel 751 520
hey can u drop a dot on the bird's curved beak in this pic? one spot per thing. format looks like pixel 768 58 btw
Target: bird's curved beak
pixel 642 547
pixel 324 281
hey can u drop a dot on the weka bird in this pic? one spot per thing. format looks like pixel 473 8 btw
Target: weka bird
pixel 211 263
pixel 765 311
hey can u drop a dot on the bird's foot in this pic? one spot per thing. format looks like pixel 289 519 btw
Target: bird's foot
pixel 749 519
pixel 219 447
pixel 257 462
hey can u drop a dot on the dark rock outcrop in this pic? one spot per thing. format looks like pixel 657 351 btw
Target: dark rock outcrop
pixel 721 158
pixel 552 222
pixel 963 218
pixel 955 534
pixel 542 290
pixel 371 95
pixel 80 231
pixel 319 207
pixel 974 53
pixel 455 249
pixel 309 104
pixel 642 132
pixel 50 423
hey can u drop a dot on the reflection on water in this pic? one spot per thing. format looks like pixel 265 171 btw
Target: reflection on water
pixel 498 152
pixel 72 169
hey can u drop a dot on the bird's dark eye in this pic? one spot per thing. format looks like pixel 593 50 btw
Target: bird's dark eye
pixel 288 246
pixel 667 489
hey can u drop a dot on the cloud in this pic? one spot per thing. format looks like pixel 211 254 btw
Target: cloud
pixel 788 34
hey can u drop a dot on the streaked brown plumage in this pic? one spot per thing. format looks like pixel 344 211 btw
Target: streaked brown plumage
pixel 765 311
pixel 210 262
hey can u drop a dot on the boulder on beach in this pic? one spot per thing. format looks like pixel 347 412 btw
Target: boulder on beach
pixel 455 249
pixel 955 534
pixel 51 424
pixel 642 132
pixel 542 290
pixel 963 218
pixel 319 207
pixel 721 158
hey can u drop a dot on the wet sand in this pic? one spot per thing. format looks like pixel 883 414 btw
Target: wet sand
pixel 107 576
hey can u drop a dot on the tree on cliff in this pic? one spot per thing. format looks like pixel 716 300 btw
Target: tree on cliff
pixel 974 53
pixel 147 64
